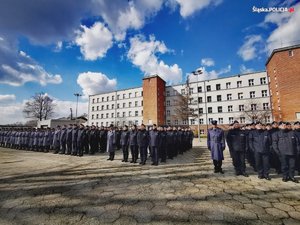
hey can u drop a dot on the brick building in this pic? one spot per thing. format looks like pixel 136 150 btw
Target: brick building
pixel 283 69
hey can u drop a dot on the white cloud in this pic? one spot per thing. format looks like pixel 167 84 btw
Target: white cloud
pixel 207 62
pixel 12 113
pixel 143 54
pixel 244 69
pixel 94 41
pixel 18 68
pixel 189 7
pixel 250 48
pixel 58 46
pixel 208 75
pixel 62 108
pixel 7 98
pixel 94 83
pixel 288 29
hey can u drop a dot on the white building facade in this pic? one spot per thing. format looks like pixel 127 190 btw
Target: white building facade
pixel 223 99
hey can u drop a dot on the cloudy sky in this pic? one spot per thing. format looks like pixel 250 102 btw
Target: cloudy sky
pixel 60 48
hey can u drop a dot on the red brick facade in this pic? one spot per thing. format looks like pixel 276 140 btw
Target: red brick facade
pixel 283 69
pixel 154 100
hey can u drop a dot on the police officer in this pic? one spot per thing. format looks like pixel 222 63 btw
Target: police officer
pixel 124 141
pixel 46 140
pixel 63 139
pixel 170 143
pixel 274 157
pixel 74 140
pixel 69 139
pixel 259 142
pixel 102 139
pixel 286 144
pixel 86 146
pixel 237 144
pixel 56 140
pixel 93 140
pixel 80 140
pixel 154 141
pixel 111 143
pixel 216 145
pixel 143 142
pixel 133 144
pixel 162 146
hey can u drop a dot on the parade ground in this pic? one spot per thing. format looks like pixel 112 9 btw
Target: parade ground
pixel 43 188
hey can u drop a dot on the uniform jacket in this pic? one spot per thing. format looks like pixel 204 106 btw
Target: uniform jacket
pixel 260 141
pixel 237 140
pixel 286 142
pixel 124 141
pixel 216 143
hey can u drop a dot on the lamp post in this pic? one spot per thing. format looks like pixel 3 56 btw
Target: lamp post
pixel 77 96
pixel 197 73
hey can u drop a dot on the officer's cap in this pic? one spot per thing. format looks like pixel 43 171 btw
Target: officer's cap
pixel 258 122
pixel 214 122
pixel 297 123
pixel 234 122
pixel 287 123
pixel 274 122
pixel 281 122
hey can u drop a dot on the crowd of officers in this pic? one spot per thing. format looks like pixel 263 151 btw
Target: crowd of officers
pixel 274 145
pixel 161 143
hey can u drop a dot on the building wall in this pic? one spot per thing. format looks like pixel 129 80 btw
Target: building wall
pixel 154 100
pixel 283 70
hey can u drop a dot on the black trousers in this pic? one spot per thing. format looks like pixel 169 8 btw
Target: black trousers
pixel 162 153
pixel 262 161
pixel 69 147
pixel 218 165
pixel 288 166
pixel 154 154
pixel 143 154
pixel 134 152
pixel 112 155
pixel 125 152
pixel 238 159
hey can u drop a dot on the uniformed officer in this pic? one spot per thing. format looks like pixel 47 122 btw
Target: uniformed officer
pixel 216 145
pixel 162 146
pixel 274 157
pixel 56 140
pixel 238 146
pixel 74 140
pixel 111 143
pixel 80 140
pixel 124 141
pixel 93 140
pixel 143 142
pixel 86 146
pixel 133 144
pixel 170 143
pixel 102 139
pixel 259 142
pixel 46 140
pixel 286 144
pixel 69 139
pixel 176 144
pixel 63 139
pixel 154 141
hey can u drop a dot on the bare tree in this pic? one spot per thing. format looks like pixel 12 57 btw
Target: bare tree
pixel 254 111
pixel 40 106
pixel 183 110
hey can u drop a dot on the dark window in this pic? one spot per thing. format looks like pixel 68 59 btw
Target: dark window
pixel 219 98
pixel 208 98
pixel 209 109
pixel 218 86
pixel 208 88
pixel 220 109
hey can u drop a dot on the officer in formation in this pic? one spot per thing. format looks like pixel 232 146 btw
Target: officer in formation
pixel 275 145
pixel 216 145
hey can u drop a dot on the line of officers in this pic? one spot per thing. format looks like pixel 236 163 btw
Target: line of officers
pixel 160 142
pixel 274 145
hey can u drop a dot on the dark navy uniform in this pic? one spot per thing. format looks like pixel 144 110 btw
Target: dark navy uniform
pixel 69 140
pixel 80 140
pixel 63 140
pixel 170 144
pixel 133 145
pixel 162 146
pixel 143 142
pixel 102 139
pixel 74 140
pixel 124 141
pixel 154 141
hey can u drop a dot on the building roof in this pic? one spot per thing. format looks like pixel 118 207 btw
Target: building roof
pixel 281 50
pixel 153 76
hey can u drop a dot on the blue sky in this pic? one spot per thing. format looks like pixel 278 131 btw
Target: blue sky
pixel 60 48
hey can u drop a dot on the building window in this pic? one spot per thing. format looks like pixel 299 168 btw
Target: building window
pixel 208 98
pixel 118 106
pixel 230 108
pixel 268 119
pixel 252 94
pixel 240 95
pixel 169 122
pixel 136 94
pixel 102 116
pixel 107 106
pixel 218 86
pixel 118 114
pixel 141 103
pixel 201 121
pixel 200 100
pixel 210 120
pixel 168 112
pixel 97 108
pixel 136 113
pixel 264 93
pixel 112 115
pixel 242 119
pixel 176 122
pixel 209 109
pixel 97 116
pixel 129 105
pixel 193 121
pixel 97 100
pixel 291 53
pixel 229 97
pixel 93 100
pixel 168 93
pixel 208 88
pixel 107 98
pixel 129 113
pixel 136 103
pixel 92 117
pixel 228 85
pixel 265 106
pixel 191 91
pixel 241 108
pixel 124 96
pixel 219 98
pixel 184 122
pixel 220 109
pixel 102 99
pixel 251 82
pixel 263 80
pixel 183 91
pixel 199 89
pixel 93 108
pixel 200 110
pixel 220 120
pixel 230 120
pixel 101 124
pixel 112 106
pixel 124 114
pixel 168 102
pixel 239 83
pixel 113 98
pixel 118 97
pixel 106 115
pixel 102 107
pixel 253 107
pixel 129 95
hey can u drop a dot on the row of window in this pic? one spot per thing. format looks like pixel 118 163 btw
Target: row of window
pixel 263 80
pixel 118 123
pixel 105 116
pixel 103 99
pixel 118 106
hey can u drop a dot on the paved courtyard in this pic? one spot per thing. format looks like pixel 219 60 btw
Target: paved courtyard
pixel 43 188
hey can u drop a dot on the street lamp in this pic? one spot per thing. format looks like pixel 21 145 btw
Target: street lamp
pixel 197 73
pixel 77 96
